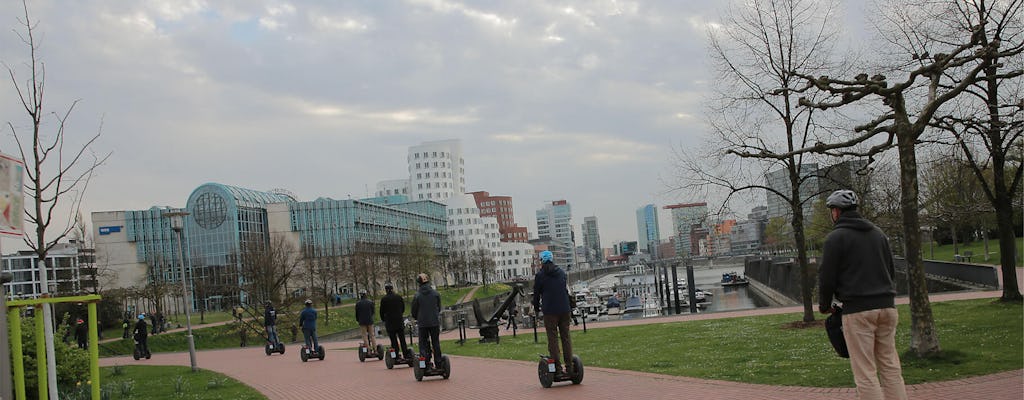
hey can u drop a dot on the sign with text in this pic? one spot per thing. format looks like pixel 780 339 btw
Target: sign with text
pixel 106 230
pixel 12 196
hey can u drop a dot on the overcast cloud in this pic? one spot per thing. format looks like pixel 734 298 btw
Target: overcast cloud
pixel 576 100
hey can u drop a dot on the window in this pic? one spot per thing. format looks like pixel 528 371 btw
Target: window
pixel 435 155
pixel 429 195
pixel 419 175
pixel 417 165
pixel 421 187
pixel 416 155
pixel 435 164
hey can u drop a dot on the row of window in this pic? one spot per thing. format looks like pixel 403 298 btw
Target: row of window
pixel 437 164
pixel 426 175
pixel 437 185
pixel 427 154
pixel 431 196
pixel 496 203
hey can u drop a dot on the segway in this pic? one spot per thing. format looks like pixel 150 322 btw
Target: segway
pixel 307 353
pixel 138 353
pixel 421 369
pixel 272 348
pixel 369 352
pixel 392 357
pixel 548 374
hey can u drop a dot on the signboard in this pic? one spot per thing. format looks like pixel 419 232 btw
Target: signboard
pixel 12 196
pixel 106 230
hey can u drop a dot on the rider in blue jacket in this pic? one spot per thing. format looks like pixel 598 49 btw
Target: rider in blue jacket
pixel 307 320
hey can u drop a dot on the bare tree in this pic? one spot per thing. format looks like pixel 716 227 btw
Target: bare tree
pixel 988 120
pixel 58 173
pixel 759 50
pixel 417 256
pixel 267 267
pixel 929 80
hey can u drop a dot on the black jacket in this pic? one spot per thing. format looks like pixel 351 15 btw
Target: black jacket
pixel 269 316
pixel 550 294
pixel 391 309
pixel 364 312
pixel 426 307
pixel 140 330
pixel 856 266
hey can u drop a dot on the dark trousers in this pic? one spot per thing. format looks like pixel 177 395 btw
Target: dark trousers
pixel 272 334
pixel 310 335
pixel 143 345
pixel 558 326
pixel 429 340
pixel 398 337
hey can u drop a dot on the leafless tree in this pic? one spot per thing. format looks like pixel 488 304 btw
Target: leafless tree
pixel 936 62
pixel 266 268
pixel 58 171
pixel 759 49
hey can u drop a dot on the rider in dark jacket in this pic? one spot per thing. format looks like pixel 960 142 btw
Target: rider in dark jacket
pixel 307 320
pixel 141 334
pixel 551 296
pixel 364 316
pixel 392 307
pixel 426 307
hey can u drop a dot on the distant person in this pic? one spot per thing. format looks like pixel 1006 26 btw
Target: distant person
pixel 270 322
pixel 392 308
pixel 81 334
pixel 126 325
pixel 426 308
pixel 140 334
pixel 857 269
pixel 364 317
pixel 307 319
pixel 513 311
pixel 551 297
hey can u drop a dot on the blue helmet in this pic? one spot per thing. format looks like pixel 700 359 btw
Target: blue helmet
pixel 545 256
pixel 142 316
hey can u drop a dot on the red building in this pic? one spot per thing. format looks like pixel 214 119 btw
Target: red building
pixel 500 207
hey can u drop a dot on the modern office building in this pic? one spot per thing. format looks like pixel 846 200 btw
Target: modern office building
pixel 436 170
pixel 515 261
pixel 554 221
pixel 500 208
pixel 647 229
pixel 223 220
pixel 592 241
pixel 71 270
pixel 779 180
pixel 685 218
pixel 470 236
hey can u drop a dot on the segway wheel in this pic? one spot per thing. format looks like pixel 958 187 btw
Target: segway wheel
pixel 136 355
pixel 546 378
pixel 388 361
pixel 267 349
pixel 280 348
pixel 380 352
pixel 320 352
pixel 417 371
pixel 362 354
pixel 577 370
pixel 303 355
pixel 447 371
pixel 149 355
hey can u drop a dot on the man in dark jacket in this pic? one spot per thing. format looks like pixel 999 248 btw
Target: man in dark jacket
pixel 270 322
pixel 364 317
pixel 82 334
pixel 307 320
pixel 141 334
pixel 392 307
pixel 857 269
pixel 551 296
pixel 426 308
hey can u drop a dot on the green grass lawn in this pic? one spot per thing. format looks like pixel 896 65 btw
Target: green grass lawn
pixel 165 382
pixel 946 253
pixel 978 337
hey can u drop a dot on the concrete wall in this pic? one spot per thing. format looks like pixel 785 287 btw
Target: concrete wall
pixel 114 251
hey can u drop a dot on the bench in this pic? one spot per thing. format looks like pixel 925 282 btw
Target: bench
pixel 489 326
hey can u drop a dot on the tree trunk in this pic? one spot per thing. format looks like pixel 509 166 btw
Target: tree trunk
pixel 924 339
pixel 1007 251
pixel 807 281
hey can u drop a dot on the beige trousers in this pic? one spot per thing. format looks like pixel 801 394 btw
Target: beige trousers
pixel 367 330
pixel 871 337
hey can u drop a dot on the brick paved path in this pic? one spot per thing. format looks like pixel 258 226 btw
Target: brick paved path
pixel 342 376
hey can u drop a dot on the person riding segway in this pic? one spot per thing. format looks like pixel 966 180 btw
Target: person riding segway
pixel 392 308
pixel 312 348
pixel 274 344
pixel 426 308
pixel 551 296
pixel 364 317
pixel 141 336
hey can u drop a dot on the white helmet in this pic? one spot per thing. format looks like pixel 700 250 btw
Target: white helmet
pixel 842 199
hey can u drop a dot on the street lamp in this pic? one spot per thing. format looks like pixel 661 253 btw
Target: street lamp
pixel 177 224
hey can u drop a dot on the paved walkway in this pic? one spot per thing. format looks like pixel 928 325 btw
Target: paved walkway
pixel 341 375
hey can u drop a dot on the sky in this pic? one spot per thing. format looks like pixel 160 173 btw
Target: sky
pixel 578 100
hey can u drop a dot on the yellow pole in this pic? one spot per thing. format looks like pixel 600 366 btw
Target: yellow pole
pixel 94 352
pixel 40 352
pixel 14 317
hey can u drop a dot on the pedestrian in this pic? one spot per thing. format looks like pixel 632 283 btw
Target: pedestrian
pixel 512 313
pixel 81 334
pixel 857 269
pixel 364 317
pixel 551 296
pixel 125 325
pixel 426 308
pixel 392 307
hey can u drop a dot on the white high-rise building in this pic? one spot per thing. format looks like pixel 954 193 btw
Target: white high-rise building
pixel 471 235
pixel 394 187
pixel 436 170
pixel 554 222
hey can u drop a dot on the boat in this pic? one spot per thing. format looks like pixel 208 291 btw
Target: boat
pixel 613 307
pixel 634 308
pixel 733 279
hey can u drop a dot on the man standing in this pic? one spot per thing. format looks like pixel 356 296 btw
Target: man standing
pixel 426 308
pixel 391 309
pixel 270 322
pixel 857 269
pixel 307 319
pixel 364 317
pixel 551 296
pixel 142 335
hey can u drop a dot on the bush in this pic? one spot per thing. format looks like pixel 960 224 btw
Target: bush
pixel 72 362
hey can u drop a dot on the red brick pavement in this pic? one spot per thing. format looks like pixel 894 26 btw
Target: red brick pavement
pixel 342 376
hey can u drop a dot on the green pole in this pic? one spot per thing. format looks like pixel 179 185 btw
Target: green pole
pixel 40 352
pixel 94 352
pixel 14 316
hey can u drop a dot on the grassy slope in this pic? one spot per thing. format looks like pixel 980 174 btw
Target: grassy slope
pixel 979 337
pixel 167 382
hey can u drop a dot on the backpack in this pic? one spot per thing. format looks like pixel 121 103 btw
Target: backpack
pixel 834 330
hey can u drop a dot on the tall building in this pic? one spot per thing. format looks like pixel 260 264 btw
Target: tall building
pixel 816 182
pixel 747 236
pixel 399 187
pixel 500 207
pixel 436 170
pixel 554 221
pixel 647 229
pixel 685 218
pixel 472 237
pixel 70 269
pixel 592 241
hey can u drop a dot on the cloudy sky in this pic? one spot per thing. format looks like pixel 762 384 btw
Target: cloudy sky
pixel 577 100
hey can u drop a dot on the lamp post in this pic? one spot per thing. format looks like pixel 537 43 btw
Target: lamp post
pixel 177 224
